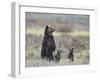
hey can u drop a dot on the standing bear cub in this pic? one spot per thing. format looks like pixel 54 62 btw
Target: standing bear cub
pixel 48 44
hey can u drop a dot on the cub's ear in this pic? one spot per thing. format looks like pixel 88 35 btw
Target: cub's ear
pixel 60 50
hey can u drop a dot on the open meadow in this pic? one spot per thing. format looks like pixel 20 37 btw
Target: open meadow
pixel 67 35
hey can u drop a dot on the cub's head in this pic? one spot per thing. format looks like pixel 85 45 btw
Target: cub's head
pixel 49 30
pixel 59 52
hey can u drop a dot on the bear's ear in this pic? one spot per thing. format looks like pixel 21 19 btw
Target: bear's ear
pixel 46 27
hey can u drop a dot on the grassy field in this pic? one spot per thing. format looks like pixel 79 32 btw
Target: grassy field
pixel 40 31
pixel 64 40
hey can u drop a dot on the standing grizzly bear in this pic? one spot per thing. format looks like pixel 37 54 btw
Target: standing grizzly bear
pixel 48 44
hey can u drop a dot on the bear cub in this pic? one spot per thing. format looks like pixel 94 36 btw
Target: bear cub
pixel 71 55
pixel 58 56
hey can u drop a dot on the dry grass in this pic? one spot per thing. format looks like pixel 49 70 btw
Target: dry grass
pixel 64 40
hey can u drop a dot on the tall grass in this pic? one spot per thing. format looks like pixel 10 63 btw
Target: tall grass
pixel 64 40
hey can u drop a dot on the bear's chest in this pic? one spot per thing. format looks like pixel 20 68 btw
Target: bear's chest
pixel 50 42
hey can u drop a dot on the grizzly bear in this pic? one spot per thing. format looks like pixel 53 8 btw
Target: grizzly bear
pixel 71 55
pixel 58 56
pixel 48 44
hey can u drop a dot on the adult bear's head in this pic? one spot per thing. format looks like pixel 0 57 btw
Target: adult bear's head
pixel 49 30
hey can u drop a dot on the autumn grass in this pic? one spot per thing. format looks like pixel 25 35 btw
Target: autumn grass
pixel 40 31
pixel 63 40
